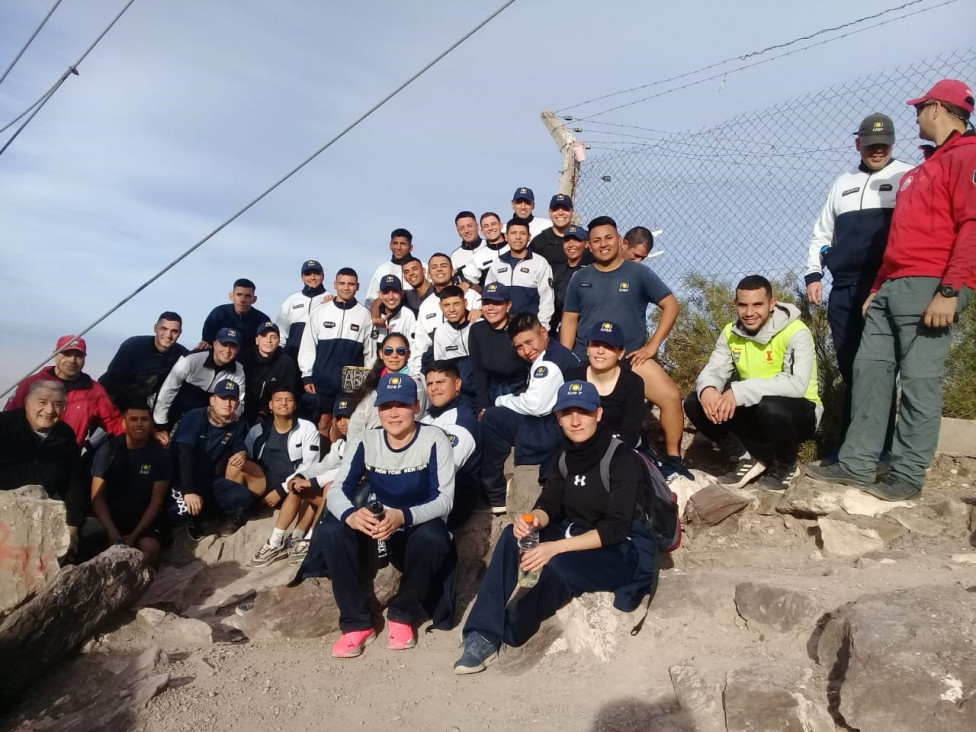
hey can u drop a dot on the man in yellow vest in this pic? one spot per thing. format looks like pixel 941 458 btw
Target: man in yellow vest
pixel 757 397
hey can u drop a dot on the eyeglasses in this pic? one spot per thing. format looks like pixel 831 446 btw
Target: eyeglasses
pixel 400 351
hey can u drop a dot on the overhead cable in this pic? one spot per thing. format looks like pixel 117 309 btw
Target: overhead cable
pixel 30 40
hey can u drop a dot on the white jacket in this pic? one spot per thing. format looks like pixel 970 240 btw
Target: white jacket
pixel 303 446
pixel 295 311
pixel 387 268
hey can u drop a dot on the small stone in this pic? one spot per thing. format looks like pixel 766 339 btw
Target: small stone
pixel 964 558
pixel 842 539
pixel 713 504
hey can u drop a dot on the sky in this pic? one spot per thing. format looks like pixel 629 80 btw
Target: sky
pixel 188 109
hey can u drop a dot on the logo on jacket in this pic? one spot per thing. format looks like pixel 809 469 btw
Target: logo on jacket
pixel 226 438
pixel 524 269
pixel 353 326
pixel 624 287
pixel 452 439
pixel 579 480
pixel 769 356
pixel 299 306
pixel 502 269
pixel 328 324
pixel 909 178
pixel 849 191
pixel 540 372
pixel 736 355
pixel 144 469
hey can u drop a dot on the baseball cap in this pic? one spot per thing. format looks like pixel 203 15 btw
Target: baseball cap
pixel 523 194
pixel 228 335
pixel 606 332
pixel 391 282
pixel 876 129
pixel 495 292
pixel 266 326
pixel 576 232
pixel 951 91
pixel 312 266
pixel 342 408
pixel 560 200
pixel 396 388
pixel 227 388
pixel 580 394
pixel 65 344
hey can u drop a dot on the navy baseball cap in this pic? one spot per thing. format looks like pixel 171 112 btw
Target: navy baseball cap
pixel 399 388
pixel 560 200
pixel 227 389
pixel 312 266
pixel 579 394
pixel 342 408
pixel 495 292
pixel 228 335
pixel 391 282
pixel 604 331
pixel 576 232
pixel 266 326
pixel 523 194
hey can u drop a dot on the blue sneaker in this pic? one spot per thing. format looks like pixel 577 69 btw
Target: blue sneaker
pixel 673 467
pixel 479 653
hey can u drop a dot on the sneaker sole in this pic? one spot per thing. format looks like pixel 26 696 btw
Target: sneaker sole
pixel 750 475
pixel 407 647
pixel 850 482
pixel 465 670
pixel 358 651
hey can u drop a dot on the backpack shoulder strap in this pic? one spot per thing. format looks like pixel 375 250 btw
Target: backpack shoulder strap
pixel 605 462
pixel 563 470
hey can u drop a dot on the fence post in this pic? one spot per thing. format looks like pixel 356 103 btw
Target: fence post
pixel 567 145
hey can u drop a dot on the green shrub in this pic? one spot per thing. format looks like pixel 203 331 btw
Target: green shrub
pixel 959 385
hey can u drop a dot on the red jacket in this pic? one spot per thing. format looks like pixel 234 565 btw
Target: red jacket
pixel 88 404
pixel 933 230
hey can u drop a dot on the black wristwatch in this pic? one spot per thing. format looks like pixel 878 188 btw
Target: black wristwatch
pixel 948 291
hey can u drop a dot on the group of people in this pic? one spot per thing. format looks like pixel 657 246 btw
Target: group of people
pixel 374 428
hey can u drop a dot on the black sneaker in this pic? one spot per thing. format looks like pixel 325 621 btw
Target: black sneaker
pixel 231 525
pixel 893 489
pixel 479 653
pixel 746 470
pixel 194 530
pixel 778 477
pixel 837 474
pixel 673 467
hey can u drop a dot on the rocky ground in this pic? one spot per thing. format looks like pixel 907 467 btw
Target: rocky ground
pixel 814 610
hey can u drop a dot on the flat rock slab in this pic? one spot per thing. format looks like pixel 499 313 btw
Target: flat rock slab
pixel 903 660
pixel 173 631
pixel 714 503
pixel 305 611
pixel 807 499
pixel 774 607
pixel 843 535
pixel 172 589
pixel 776 698
pixel 957 438
pixel 916 522
pixel 33 535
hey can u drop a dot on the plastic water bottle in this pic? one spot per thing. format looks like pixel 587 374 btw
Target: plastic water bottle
pixel 527 543
pixel 378 557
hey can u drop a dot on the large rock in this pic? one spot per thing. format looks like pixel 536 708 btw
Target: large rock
pixel 774 698
pixel 237 549
pixel 699 700
pixel 807 499
pixel 902 660
pixel 307 610
pixel 714 503
pixel 73 607
pixel 173 587
pixel 778 608
pixel 592 625
pixel 523 489
pixel 33 535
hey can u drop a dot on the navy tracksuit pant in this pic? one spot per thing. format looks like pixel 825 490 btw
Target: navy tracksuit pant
pixel 536 441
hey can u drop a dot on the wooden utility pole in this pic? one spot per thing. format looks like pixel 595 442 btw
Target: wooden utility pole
pixel 570 149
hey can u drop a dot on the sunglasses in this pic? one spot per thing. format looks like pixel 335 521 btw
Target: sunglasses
pixel 400 351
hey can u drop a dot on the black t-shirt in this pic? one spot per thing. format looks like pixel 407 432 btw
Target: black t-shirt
pixel 129 476
pixel 275 460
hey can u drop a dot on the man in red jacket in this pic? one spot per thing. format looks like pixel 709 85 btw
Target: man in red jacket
pixel 88 403
pixel 926 279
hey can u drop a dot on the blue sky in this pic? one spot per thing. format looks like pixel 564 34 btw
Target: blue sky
pixel 188 109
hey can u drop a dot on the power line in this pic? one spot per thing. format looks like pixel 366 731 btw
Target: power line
pixel 761 52
pixel 276 184
pixel 73 69
pixel 30 40
pixel 722 74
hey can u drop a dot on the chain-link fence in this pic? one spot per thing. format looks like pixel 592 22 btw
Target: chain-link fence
pixel 741 197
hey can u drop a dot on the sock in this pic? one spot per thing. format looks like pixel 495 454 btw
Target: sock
pixel 297 535
pixel 277 537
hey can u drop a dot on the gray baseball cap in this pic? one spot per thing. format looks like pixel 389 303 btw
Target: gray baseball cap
pixel 876 129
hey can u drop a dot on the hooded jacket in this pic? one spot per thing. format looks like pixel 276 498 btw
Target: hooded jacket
pixel 264 375
pixel 779 360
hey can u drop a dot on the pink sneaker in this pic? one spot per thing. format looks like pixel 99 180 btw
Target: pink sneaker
pixel 351 644
pixel 401 636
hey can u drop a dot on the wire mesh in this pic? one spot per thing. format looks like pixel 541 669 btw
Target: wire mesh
pixel 741 197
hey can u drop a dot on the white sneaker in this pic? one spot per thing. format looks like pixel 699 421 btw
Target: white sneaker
pixel 299 550
pixel 267 554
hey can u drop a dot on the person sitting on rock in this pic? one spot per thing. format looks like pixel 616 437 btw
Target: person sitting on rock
pixel 449 411
pixel 621 390
pixel 213 477
pixel 130 477
pixel 406 467
pixel 759 420
pixel 38 448
pixel 592 538
pixel 524 420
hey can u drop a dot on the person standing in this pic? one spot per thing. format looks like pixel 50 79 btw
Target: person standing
pixel 528 276
pixel 267 369
pixel 294 311
pixel 498 369
pixel 239 315
pixel 523 204
pixel 401 248
pixel 926 280
pixel 849 239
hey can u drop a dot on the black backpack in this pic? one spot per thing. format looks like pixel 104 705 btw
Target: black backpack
pixel 657 504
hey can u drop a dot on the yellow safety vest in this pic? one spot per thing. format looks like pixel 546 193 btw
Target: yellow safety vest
pixel 755 360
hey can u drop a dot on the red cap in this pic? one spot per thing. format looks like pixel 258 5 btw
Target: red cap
pixel 950 91
pixel 65 344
